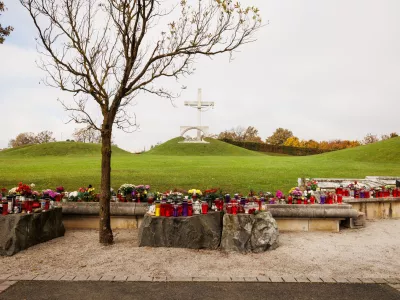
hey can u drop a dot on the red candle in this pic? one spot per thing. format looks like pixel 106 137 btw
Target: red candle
pixel 5 208
pixel 312 199
pixel 190 209
pixel 339 199
pixel 290 200
pixel 162 209
pixel 298 201
pixel 204 208
pixel 234 209
pixel 229 208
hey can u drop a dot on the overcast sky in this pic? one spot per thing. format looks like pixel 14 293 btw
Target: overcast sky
pixel 323 69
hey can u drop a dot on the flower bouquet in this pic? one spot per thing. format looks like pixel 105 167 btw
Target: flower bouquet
pixel 296 193
pixel 23 190
pixel 312 184
pixel 194 194
pixel 128 191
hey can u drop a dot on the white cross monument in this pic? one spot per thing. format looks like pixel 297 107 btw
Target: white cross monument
pixel 199 105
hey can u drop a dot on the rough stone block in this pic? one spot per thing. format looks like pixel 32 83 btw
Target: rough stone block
pixel 249 233
pixel 21 231
pixel 196 232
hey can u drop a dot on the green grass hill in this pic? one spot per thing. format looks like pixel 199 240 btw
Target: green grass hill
pixel 203 166
pixel 383 151
pixel 58 149
pixel 214 148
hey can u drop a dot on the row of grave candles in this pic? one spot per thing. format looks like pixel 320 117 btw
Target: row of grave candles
pixel 190 207
pixel 365 193
pixel 21 204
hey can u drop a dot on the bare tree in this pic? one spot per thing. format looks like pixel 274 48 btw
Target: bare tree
pixel 22 139
pixel 4 31
pixel 87 135
pixel 107 51
pixel 370 139
pixel 44 137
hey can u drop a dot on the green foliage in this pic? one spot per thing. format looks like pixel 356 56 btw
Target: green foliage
pixel 279 137
pixel 162 172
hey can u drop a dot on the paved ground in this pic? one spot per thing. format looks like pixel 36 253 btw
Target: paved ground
pixel 196 290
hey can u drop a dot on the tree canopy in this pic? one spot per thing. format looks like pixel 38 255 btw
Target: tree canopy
pixel 4 31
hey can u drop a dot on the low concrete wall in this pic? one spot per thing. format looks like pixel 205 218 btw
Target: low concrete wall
pixel 296 217
pixel 377 208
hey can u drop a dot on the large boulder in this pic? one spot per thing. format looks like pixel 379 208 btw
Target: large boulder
pixel 249 233
pixel 21 231
pixel 196 232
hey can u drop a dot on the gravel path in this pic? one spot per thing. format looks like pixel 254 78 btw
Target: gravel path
pixel 369 252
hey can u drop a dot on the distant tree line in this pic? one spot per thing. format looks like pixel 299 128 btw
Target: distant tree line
pixel 82 135
pixel 29 138
pixel 285 137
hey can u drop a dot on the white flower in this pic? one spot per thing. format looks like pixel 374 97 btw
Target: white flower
pixel 73 194
pixel 13 190
pixel 33 185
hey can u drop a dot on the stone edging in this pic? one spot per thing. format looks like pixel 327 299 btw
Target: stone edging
pixel 8 280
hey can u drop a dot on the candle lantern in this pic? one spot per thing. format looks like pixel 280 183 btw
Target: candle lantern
pixel 312 199
pixel 229 208
pixel 185 210
pixel 190 209
pixel 339 199
pixel 158 208
pixel 322 199
pixel 234 208
pixel 175 212
pixel 227 198
pixel 204 207
pixel 168 209
pixel 197 207
pixel 5 206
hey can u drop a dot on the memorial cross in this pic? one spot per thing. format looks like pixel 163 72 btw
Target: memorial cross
pixel 199 105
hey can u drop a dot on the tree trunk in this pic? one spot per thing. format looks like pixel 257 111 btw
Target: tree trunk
pixel 106 236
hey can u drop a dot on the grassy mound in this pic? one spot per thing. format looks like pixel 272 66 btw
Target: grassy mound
pixel 384 151
pixel 214 148
pixel 58 149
